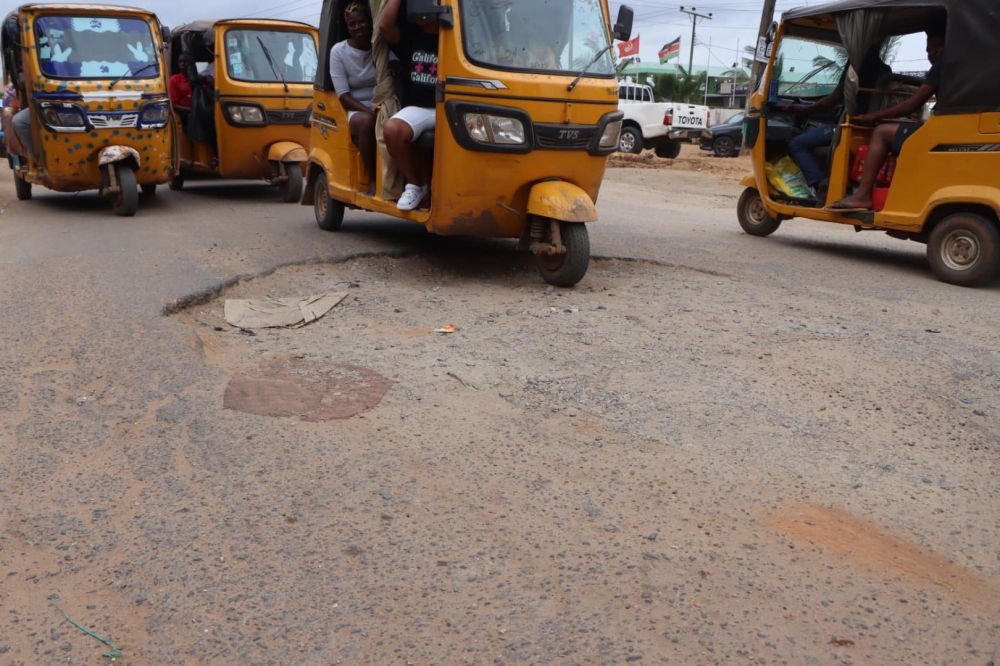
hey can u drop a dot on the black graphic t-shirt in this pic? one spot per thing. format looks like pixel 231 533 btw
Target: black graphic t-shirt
pixel 418 54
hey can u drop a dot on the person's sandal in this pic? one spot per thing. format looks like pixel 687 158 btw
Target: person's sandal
pixel 841 206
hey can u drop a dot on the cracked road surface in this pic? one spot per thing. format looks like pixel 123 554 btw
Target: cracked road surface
pixel 717 449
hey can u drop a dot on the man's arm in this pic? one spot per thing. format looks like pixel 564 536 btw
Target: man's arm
pixel 388 22
pixel 905 108
pixel 828 102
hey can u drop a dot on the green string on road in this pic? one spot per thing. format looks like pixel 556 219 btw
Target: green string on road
pixel 115 651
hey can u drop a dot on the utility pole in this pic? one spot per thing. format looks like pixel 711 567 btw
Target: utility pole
pixel 766 19
pixel 693 13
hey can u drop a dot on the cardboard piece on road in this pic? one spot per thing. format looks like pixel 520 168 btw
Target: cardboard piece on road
pixel 281 312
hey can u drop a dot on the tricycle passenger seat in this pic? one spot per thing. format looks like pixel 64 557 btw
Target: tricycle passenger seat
pixel 425 141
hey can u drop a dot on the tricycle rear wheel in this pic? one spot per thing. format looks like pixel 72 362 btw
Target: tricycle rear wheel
pixel 329 211
pixel 176 183
pixel 148 189
pixel 126 201
pixel 753 216
pixel 22 187
pixel 565 270
pixel 964 249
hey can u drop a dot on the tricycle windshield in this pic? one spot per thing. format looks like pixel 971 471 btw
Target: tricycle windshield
pixel 271 56
pixel 95 47
pixel 808 68
pixel 537 35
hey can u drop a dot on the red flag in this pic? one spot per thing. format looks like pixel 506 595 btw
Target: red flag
pixel 629 49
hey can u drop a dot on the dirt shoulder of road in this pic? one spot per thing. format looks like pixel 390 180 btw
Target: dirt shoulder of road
pixel 692 158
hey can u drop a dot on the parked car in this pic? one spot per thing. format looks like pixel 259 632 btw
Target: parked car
pixel 724 140
pixel 661 126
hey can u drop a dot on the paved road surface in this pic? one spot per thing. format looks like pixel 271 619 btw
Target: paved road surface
pixel 186 533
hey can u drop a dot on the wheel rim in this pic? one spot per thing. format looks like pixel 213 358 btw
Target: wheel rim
pixel 960 250
pixel 725 145
pixel 756 212
pixel 322 201
pixel 627 142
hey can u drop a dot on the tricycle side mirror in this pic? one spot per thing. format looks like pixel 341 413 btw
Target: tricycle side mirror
pixel 12 30
pixel 623 26
pixel 429 11
pixel 165 34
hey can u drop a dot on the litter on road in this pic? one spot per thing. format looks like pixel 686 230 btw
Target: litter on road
pixel 280 312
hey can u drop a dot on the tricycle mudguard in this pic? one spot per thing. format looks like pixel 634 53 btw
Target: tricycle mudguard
pixel 559 200
pixel 287 151
pixel 112 154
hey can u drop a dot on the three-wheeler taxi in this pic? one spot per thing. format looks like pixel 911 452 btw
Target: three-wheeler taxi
pixel 525 114
pixel 250 83
pixel 89 109
pixel 934 180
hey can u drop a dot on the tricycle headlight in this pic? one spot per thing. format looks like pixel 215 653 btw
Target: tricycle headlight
pixel 476 127
pixel 506 131
pixel 155 115
pixel 246 114
pixel 499 130
pixel 612 134
pixel 65 119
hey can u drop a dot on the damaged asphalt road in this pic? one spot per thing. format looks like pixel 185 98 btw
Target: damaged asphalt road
pixel 753 451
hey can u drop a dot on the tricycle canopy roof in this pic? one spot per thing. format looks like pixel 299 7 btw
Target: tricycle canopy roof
pixel 208 24
pixel 971 61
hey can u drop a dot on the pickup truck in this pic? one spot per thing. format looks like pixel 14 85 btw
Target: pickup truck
pixel 661 126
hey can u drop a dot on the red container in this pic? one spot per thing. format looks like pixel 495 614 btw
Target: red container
pixel 879 195
pixel 858 167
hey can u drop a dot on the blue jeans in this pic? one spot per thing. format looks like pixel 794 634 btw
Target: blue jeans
pixel 801 147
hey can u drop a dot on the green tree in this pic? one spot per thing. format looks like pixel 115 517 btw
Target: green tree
pixel 680 87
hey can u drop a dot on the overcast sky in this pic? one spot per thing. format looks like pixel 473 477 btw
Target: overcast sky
pixel 734 24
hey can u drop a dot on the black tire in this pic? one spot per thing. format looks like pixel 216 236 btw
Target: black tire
pixel 568 269
pixel 176 183
pixel 291 189
pixel 329 211
pixel 725 146
pixel 148 189
pixel 753 217
pixel 964 249
pixel 22 187
pixel 126 201
pixel 668 149
pixel 630 141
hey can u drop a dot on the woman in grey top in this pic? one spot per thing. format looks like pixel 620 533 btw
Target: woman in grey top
pixel 353 74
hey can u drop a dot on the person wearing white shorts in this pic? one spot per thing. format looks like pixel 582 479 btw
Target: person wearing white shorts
pixel 417 49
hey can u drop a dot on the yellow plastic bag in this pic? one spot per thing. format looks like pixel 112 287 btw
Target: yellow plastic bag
pixel 784 176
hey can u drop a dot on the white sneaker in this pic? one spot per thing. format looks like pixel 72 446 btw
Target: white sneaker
pixel 412 196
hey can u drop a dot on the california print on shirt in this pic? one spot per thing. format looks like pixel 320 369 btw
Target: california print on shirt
pixel 425 68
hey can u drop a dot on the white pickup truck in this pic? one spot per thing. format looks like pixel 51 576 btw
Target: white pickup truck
pixel 661 126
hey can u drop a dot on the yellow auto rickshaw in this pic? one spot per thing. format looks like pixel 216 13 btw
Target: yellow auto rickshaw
pixel 249 88
pixel 525 110
pixel 91 92
pixel 934 178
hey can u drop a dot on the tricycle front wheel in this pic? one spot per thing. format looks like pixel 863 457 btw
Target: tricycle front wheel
pixel 565 270
pixel 291 189
pixel 753 216
pixel 126 200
